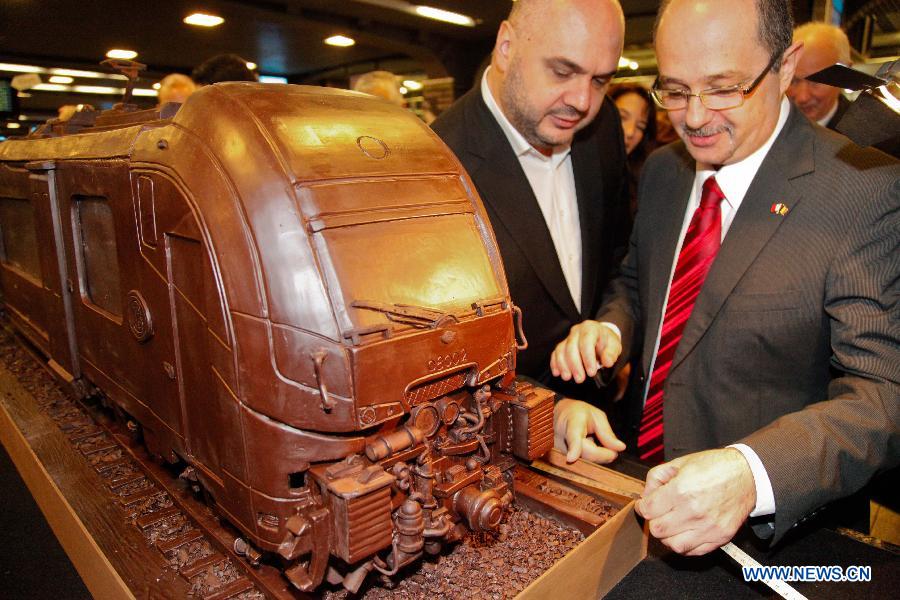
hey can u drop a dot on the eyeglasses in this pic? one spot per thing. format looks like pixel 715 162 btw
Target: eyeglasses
pixel 714 98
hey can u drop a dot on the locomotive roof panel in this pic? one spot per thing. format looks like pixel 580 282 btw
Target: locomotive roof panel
pixel 323 133
pixel 86 145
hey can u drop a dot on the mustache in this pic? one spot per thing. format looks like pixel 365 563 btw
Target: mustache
pixel 706 131
pixel 568 112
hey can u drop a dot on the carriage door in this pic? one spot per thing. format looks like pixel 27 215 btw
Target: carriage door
pixel 172 242
pixel 119 300
pixel 60 323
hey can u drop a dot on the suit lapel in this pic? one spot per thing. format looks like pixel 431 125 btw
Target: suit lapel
pixel 506 192
pixel 586 170
pixel 754 224
pixel 667 217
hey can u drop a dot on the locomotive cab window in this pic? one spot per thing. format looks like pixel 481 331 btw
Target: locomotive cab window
pixel 18 237
pixel 98 260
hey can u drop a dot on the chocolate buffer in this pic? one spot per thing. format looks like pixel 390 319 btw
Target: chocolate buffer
pixel 295 293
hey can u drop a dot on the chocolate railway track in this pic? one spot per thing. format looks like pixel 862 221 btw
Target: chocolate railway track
pixel 184 529
pixel 196 545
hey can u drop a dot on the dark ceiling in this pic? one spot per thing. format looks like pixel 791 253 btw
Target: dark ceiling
pixel 284 37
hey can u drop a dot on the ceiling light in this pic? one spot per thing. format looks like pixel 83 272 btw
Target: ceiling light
pixel 412 84
pixel 445 16
pixel 623 62
pixel 88 74
pixel 50 87
pixel 122 54
pixel 272 79
pixel 13 125
pixel 251 65
pixel 157 85
pixel 203 20
pixel 403 90
pixel 144 92
pixel 633 65
pixel 21 68
pixel 61 79
pixel 96 89
pixel 340 40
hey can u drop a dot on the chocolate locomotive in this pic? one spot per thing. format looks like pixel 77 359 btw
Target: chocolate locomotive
pixel 295 292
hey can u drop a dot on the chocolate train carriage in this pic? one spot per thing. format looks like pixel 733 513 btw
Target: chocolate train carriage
pixel 296 293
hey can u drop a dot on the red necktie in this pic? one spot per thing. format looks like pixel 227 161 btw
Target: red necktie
pixel 701 242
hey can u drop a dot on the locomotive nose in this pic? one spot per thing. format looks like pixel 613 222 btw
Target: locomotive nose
pixel 483 509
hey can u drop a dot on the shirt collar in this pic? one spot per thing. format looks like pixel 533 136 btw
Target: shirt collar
pixel 519 144
pixel 735 179
pixel 824 120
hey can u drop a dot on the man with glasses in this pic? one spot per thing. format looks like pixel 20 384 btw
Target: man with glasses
pixel 759 295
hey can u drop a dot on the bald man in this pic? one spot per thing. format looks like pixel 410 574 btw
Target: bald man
pixel 175 88
pixel 382 84
pixel 543 146
pixel 823 45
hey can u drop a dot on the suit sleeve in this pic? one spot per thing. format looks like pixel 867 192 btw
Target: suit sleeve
pixel 832 448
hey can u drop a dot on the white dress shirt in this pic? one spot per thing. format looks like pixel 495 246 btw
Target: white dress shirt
pixel 734 180
pixel 824 120
pixel 553 183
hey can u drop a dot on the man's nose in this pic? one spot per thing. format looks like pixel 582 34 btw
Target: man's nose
pixel 696 113
pixel 580 94
pixel 799 91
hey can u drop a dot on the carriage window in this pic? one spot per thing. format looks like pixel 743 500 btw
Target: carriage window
pixel 18 236
pixel 99 261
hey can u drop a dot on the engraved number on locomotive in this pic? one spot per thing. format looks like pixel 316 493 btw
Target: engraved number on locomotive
pixel 445 362
pixel 139 321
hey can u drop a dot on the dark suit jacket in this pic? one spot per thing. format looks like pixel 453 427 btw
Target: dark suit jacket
pixel 793 346
pixel 843 105
pixel 536 280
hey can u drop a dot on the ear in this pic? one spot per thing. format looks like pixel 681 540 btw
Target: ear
pixel 789 65
pixel 506 36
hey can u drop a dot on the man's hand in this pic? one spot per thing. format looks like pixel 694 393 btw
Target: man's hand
pixel 589 345
pixel 696 503
pixel 577 426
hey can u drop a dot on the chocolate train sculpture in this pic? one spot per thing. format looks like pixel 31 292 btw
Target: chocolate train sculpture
pixel 296 294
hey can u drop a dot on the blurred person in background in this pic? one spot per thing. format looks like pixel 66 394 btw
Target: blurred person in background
pixel 665 133
pixel 823 45
pixel 223 67
pixel 382 84
pixel 175 87
pixel 66 112
pixel 638 113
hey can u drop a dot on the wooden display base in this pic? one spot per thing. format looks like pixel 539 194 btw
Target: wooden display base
pixel 110 554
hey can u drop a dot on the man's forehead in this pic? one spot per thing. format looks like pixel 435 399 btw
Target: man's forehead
pixel 815 57
pixel 710 71
pixel 708 56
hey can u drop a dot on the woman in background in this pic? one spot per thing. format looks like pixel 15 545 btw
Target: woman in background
pixel 638 115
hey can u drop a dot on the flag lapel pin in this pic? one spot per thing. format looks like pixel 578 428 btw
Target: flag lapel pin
pixel 779 209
